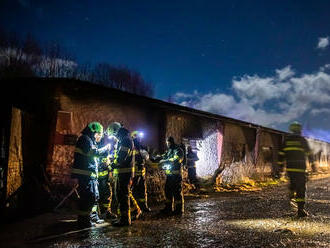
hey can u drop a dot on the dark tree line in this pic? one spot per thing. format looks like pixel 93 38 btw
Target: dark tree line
pixel 27 57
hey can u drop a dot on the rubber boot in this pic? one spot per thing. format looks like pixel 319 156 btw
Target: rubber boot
pixel 167 210
pixel 178 210
pixel 84 221
pixel 292 201
pixel 94 216
pixel 124 220
pixel 106 213
pixel 145 208
pixel 301 212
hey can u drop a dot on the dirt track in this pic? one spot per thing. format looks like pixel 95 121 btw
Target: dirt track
pixel 242 219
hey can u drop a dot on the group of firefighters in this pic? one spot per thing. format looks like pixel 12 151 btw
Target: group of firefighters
pixel 111 164
pixel 114 161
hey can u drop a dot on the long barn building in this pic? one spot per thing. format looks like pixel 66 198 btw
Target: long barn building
pixel 42 119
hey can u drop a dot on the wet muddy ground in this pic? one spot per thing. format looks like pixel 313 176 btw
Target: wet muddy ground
pixel 235 219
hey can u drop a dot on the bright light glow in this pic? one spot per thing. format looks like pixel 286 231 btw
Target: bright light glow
pixel 141 134
pixel 208 154
pixel 166 166
pixel 304 227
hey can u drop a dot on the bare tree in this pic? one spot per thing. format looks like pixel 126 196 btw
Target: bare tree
pixel 28 58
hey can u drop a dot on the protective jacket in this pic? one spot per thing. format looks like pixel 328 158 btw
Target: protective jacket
pixel 175 156
pixel 124 158
pixel 294 152
pixel 191 159
pixel 139 159
pixel 86 156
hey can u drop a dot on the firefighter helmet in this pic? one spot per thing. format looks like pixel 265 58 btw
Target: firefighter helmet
pixel 113 128
pixel 170 140
pixel 295 127
pixel 137 134
pixel 134 134
pixel 95 127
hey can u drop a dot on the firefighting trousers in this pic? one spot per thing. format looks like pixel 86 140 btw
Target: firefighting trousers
pixel 122 191
pixel 105 191
pixel 297 187
pixel 192 175
pixel 139 190
pixel 173 191
pixel 89 195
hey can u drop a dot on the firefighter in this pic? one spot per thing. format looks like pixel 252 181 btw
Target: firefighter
pixel 123 171
pixel 293 153
pixel 139 186
pixel 191 165
pixel 171 162
pixel 85 170
pixel 105 182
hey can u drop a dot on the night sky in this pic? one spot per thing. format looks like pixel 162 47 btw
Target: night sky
pixel 267 62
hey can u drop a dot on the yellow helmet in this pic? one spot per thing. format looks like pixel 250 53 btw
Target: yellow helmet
pixel 137 134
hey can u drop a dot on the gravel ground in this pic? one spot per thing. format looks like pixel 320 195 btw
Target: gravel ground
pixel 226 219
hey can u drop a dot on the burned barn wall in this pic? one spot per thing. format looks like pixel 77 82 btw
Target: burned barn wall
pixel 321 155
pixel 209 148
pixel 182 126
pixel 238 143
pixel 75 112
pixel 266 159
pixel 237 161
pixel 15 160
pixel 203 135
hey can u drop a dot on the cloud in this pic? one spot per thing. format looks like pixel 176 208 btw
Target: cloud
pixel 284 73
pixel 320 111
pixel 272 101
pixel 325 67
pixel 323 42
